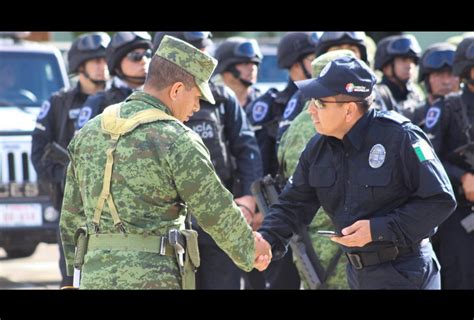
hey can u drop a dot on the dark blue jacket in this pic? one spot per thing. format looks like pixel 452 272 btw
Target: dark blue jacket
pixel 376 172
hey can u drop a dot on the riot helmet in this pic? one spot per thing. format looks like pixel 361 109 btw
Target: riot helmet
pixel 396 46
pixel 464 59
pixel 294 46
pixel 86 47
pixel 435 58
pixel 122 43
pixel 199 39
pixel 336 38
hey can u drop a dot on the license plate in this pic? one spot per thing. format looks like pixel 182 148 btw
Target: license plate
pixel 20 215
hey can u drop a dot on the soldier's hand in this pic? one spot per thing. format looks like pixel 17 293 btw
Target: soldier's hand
pixel 468 186
pixel 356 235
pixel 263 252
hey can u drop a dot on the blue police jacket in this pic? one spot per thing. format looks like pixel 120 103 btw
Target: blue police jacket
pixel 384 169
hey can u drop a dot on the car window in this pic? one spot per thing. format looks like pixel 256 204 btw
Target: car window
pixel 28 79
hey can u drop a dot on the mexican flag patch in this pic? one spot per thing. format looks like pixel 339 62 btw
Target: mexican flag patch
pixel 423 150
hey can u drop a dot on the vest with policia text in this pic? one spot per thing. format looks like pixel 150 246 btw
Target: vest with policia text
pixel 208 123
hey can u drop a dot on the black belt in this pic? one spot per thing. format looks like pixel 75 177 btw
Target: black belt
pixel 360 260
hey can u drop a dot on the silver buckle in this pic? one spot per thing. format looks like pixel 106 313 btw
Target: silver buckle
pixel 163 246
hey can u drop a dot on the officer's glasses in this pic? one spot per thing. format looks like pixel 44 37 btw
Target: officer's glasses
pixel 403 46
pixel 337 35
pixel 248 49
pixel 437 59
pixel 93 41
pixel 320 104
pixel 470 51
pixel 123 37
pixel 197 35
pixel 136 56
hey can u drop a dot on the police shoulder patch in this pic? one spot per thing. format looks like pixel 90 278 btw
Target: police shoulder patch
pixel 259 111
pixel 84 116
pixel 290 107
pixel 44 110
pixel 432 116
pixel 423 150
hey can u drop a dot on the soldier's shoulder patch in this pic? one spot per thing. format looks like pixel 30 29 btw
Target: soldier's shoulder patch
pixel 44 110
pixel 84 116
pixel 259 111
pixel 432 117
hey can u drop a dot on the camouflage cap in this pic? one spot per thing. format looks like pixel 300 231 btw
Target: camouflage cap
pixel 320 62
pixel 199 64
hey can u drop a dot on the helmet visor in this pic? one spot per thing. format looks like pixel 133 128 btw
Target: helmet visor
pixel 403 46
pixel 337 35
pixel 437 59
pixel 93 42
pixel 121 38
pixel 248 49
pixel 197 35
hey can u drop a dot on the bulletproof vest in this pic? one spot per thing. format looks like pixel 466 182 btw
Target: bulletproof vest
pixel 66 109
pixel 458 109
pixel 208 122
pixel 114 95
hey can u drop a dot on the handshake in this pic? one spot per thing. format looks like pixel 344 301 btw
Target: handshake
pixel 263 252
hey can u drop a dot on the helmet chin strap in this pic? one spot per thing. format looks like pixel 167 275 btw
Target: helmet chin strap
pixel 96 82
pixel 306 73
pixel 394 75
pixel 236 74
pixel 134 80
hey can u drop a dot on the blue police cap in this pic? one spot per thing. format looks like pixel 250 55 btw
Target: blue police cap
pixel 346 75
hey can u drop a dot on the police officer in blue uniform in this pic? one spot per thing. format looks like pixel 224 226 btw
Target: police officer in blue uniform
pixel 238 61
pixel 449 123
pixel 377 177
pixel 131 50
pixel 396 57
pixel 56 119
pixel 235 155
pixel 436 72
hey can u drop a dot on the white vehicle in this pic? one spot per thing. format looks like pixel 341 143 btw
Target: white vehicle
pixel 29 74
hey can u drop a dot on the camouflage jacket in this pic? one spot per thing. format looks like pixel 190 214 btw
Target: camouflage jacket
pixel 161 170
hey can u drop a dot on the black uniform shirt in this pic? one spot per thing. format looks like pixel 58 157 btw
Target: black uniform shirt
pixel 405 193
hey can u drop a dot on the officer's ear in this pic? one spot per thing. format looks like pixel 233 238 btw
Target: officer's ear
pixel 175 90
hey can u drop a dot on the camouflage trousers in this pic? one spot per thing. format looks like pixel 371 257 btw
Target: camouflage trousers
pixel 326 249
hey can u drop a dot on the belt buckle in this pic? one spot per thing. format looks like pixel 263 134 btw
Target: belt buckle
pixel 355 260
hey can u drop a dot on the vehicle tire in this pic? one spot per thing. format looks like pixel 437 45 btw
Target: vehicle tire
pixel 22 252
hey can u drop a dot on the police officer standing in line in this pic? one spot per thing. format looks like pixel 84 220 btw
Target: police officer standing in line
pixel 296 51
pixel 225 131
pixel 377 177
pixel 396 57
pixel 449 123
pixel 238 60
pixel 155 172
pixel 436 72
pixel 55 122
pixel 128 56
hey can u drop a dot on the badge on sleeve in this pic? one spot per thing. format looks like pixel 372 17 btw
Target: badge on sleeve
pixel 44 110
pixel 377 156
pixel 84 116
pixel 423 150
pixel 432 117
pixel 290 108
pixel 259 111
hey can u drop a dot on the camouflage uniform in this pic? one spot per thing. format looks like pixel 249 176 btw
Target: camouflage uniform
pixel 292 144
pixel 161 170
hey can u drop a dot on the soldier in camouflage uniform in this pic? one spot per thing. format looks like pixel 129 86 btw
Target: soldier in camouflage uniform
pixel 150 174
pixel 292 143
